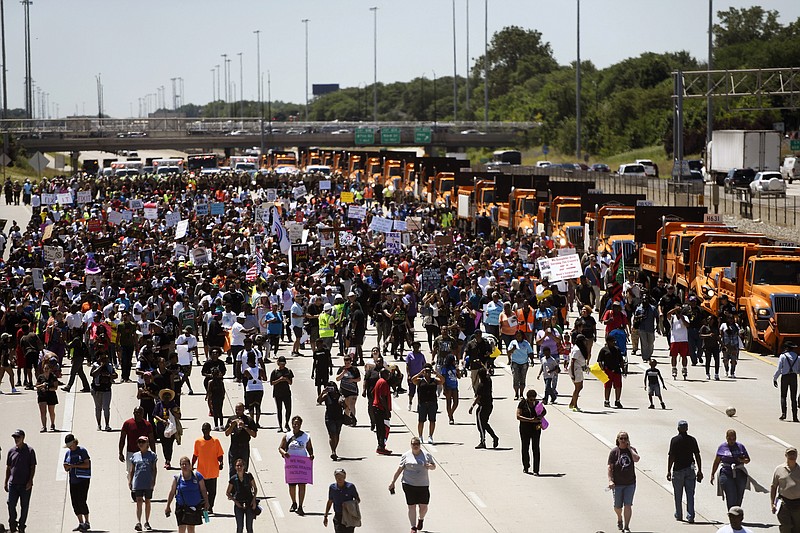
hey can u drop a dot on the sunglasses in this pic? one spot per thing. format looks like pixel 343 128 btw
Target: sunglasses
pixel 623 438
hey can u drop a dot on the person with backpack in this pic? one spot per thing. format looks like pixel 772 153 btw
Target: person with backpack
pixel 788 368
pixel 191 499
pixel 644 322
pixel 729 334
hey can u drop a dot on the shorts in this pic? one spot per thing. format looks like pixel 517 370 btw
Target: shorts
pixel 253 397
pixel 614 379
pixel 30 360
pixel 679 348
pixel 654 390
pixel 416 495
pixel 427 411
pixel 298 332
pixel 623 495
pixel 146 494
pixel 577 374
pixel 48 397
pixel 334 427
pixel 348 393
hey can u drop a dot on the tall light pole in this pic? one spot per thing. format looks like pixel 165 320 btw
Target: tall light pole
pixel 260 100
pixel 225 73
pixel 305 23
pixel 455 69
pixel 219 94
pixel 29 102
pixel 578 86
pixel 374 63
pixel 709 104
pixel 466 78
pixel 258 64
pixel 213 86
pixel 486 63
pixel 241 83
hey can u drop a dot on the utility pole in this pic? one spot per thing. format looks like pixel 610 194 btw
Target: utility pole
pixel 466 107
pixel 29 102
pixel 578 86
pixel 260 100
pixel 374 63
pixel 241 84
pixel 305 23
pixel 213 86
pixel 174 93
pixel 486 63
pixel 219 94
pixel 709 102
pixel 434 98
pixel 181 100
pixel 225 73
pixel 455 70
pixel 99 96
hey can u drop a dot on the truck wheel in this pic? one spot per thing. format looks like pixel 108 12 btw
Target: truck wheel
pixel 749 343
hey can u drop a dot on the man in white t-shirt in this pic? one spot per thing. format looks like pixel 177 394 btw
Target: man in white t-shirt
pixel 679 341
pixel 238 333
pixel 735 517
pixel 186 347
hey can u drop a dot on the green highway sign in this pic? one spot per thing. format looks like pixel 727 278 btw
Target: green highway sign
pixel 422 135
pixel 390 135
pixel 365 136
pixel 794 145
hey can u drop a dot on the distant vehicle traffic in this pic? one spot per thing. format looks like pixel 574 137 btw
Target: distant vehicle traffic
pixel 632 169
pixel 769 182
pixel 600 167
pixel 738 178
pixel 791 168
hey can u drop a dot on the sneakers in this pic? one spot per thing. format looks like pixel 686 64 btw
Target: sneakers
pixel 606 404
pixel 383 451
pixel 481 446
pixel 108 428
pixel 147 526
pixel 495 442
pixel 708 377
pixel 137 527
pixel 716 377
pixel 618 405
pixel 652 406
pixel 663 405
pixel 430 439
pixel 300 511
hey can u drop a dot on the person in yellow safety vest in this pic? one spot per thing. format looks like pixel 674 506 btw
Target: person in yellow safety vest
pixel 326 331
pixel 447 219
pixel 340 320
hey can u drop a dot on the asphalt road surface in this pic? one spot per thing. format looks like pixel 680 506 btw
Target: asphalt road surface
pixel 472 490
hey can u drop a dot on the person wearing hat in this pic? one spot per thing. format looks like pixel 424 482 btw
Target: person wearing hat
pixel 142 476
pixel 684 470
pixel 20 470
pixel 165 422
pixel 785 492
pixel 788 368
pixel 340 314
pixel 735 519
pixel 326 325
pixel 339 493
pixel 79 466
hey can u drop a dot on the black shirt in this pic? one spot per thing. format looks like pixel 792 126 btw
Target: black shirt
pixel 484 392
pixel 682 448
pixel 610 359
pixel 210 365
pixel 426 390
pixel 282 389
pixel 240 438
pixel 478 352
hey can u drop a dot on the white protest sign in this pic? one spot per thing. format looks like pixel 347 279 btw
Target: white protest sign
pixel 54 254
pixel 295 231
pixel 565 267
pixel 523 254
pixel 380 224
pixel 84 197
pixel 181 250
pixel 127 215
pixel 64 198
pixel 172 219
pixel 38 278
pixel 399 225
pixel 346 239
pixel 544 267
pixel 115 217
pixel 151 213
pixel 325 185
pixel 272 195
pixel 136 204
pixel 326 240
pixel 181 228
pixel 567 251
pixel 199 256
pixel 358 212
pixel 393 242
pixel 48 199
pixel 414 224
pixel 36 201
pixel 299 191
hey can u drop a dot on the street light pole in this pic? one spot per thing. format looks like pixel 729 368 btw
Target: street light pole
pixel 260 100
pixel 455 70
pixel 578 86
pixel 219 94
pixel 374 63
pixel 486 63
pixel 29 102
pixel 241 84
pixel 305 22
pixel 434 98
pixel 225 73
pixel 466 78
pixel 709 103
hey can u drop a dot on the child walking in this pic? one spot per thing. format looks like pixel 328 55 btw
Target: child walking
pixel 652 376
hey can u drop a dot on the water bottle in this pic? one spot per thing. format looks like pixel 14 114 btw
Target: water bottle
pixel 205 516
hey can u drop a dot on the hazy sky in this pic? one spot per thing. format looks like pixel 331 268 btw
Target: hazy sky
pixel 138 46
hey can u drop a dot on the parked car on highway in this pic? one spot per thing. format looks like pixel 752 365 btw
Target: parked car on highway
pixel 738 178
pixel 791 168
pixel 600 167
pixel 632 169
pixel 650 168
pixel 769 182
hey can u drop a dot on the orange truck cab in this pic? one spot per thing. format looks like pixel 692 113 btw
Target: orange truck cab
pixel 682 255
pixel 565 212
pixel 769 304
pixel 651 256
pixel 440 188
pixel 520 212
pixel 393 174
pixel 716 253
pixel 614 229
pixel 372 170
pixel 355 165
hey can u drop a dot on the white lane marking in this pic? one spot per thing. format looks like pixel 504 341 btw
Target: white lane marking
pixel 256 454
pixel 779 441
pixel 476 500
pixel 603 440
pixel 66 426
pixel 704 400
pixel 276 509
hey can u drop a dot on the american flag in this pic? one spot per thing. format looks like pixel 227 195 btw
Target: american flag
pixel 255 269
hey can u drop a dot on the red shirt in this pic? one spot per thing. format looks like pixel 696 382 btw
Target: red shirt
pixel 381 390
pixel 133 430
pixel 617 320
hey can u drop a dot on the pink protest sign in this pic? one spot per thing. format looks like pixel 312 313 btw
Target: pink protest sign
pixel 299 469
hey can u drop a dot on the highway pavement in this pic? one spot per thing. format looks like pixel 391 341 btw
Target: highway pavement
pixel 472 490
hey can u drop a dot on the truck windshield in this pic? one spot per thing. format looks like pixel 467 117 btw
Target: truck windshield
pixel 446 185
pixel 723 256
pixel 776 273
pixel 618 226
pixel 395 171
pixel 488 196
pixel 528 206
pixel 569 214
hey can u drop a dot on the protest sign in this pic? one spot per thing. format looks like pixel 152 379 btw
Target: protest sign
pixel 201 209
pixel 64 198
pixel 299 469
pixel 115 218
pixel 84 197
pixel 565 267
pixel 393 242
pixel 431 280
pixel 357 212
pixel 48 199
pixel 400 225
pixel 380 224
pixel 218 208
pixel 172 219
pixel 181 228
pixel 199 256
pixel 272 194
pixel 136 204
pixel 346 198
pixel 299 191
pixel 54 254
pixel 325 185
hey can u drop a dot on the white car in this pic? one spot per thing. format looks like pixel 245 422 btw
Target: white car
pixel 770 182
pixel 791 168
pixel 543 164
pixel 649 167
pixel 632 169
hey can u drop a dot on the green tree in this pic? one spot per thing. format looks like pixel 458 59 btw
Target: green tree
pixel 746 25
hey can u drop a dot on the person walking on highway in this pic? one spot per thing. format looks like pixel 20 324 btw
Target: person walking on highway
pixel 622 479
pixel 339 493
pixel 20 470
pixel 709 334
pixel 427 382
pixel 679 339
pixel 46 387
pixel 79 466
pixel 297 443
pixel 733 478
pixel 142 480
pixel 240 428
pixel 414 466
pixel 530 415
pixel 611 361
pixel 785 493
pixel 683 455
pixel 735 519
pixel 788 368
pixel 594 277
pixel 485 402
pixel 730 337
pixel 208 456
pixel 242 490
pixel 644 322
pixel 653 382
pixel 520 353
pixel 578 358
pixel 191 499
pixel 103 376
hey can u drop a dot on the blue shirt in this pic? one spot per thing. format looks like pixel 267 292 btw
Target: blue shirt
pixel 621 339
pixel 519 351
pixel 75 458
pixel 338 495
pixel 144 465
pixel 274 328
pixel 188 491
pixel 493 311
